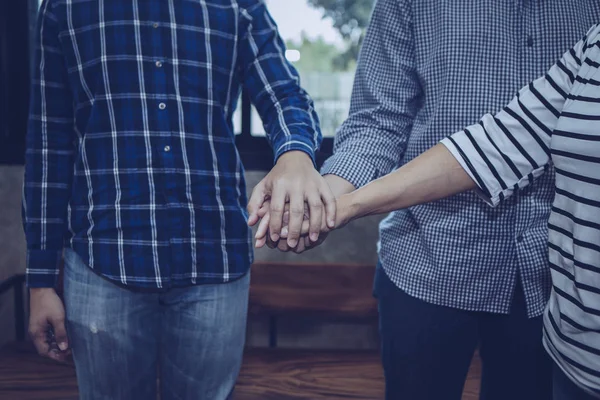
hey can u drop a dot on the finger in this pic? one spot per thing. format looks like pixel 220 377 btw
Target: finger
pixel 263 228
pixel 283 246
pixel 303 230
pixel 330 204
pixel 324 226
pixel 286 215
pixel 270 243
pixel 301 245
pixel 60 356
pixel 256 201
pixel 38 334
pixel 277 208
pixel 312 245
pixel 296 217
pixel 60 333
pixel 308 244
pixel 315 215
pixel 260 243
pixel 264 210
pixel 286 221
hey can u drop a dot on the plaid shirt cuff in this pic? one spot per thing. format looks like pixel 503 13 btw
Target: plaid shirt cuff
pixel 42 268
pixel 296 144
pixel 355 169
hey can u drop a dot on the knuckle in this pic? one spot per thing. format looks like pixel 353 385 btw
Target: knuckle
pixel 313 186
pixel 281 181
pixel 276 208
pixel 36 331
pixel 315 204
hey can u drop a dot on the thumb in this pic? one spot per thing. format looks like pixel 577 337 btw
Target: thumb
pixel 60 332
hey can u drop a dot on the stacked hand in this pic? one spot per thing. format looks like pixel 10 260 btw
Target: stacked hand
pixel 306 239
pixel 296 207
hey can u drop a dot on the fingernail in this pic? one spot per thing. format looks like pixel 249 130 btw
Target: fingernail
pixel 331 223
pixel 274 237
pixel 292 243
pixel 284 231
pixel 63 346
pixel 314 237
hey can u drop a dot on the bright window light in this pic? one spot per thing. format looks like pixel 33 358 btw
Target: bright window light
pixel 292 55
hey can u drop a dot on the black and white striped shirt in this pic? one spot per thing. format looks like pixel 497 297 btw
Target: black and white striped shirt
pixel 555 119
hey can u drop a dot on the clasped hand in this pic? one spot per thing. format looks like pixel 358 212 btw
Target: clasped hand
pixel 294 205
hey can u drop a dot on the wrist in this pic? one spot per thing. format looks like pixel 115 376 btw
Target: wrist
pixel 347 209
pixel 338 185
pixel 40 291
pixel 294 156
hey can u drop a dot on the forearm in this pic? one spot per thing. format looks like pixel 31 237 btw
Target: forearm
pixel 434 175
pixel 48 175
pixel 49 157
pixel 338 185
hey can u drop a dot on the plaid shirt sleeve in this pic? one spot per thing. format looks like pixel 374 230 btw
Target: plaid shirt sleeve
pixel 49 157
pixel 286 110
pixel 384 102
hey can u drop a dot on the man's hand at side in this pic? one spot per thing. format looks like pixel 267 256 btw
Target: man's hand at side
pixel 47 324
pixel 293 180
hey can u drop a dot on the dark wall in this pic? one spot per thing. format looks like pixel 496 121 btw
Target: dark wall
pixel 14 79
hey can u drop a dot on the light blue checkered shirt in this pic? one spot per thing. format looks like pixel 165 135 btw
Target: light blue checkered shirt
pixel 427 69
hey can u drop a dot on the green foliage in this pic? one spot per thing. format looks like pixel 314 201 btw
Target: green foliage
pixel 350 18
pixel 315 55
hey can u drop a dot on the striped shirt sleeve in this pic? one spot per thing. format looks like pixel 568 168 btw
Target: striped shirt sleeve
pixel 287 111
pixel 507 151
pixel 49 156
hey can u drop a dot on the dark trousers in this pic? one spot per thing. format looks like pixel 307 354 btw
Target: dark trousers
pixel 427 349
pixel 565 389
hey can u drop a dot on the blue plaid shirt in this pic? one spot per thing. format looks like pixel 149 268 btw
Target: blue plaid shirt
pixel 131 156
pixel 427 69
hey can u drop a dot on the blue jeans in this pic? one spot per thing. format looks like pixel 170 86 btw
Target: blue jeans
pixel 565 389
pixel 122 340
pixel 427 349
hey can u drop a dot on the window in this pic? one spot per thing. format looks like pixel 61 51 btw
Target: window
pixel 315 49
pixel 321 44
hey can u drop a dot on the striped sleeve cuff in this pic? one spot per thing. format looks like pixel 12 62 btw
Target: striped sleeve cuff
pixel 355 169
pixel 43 268
pixel 491 197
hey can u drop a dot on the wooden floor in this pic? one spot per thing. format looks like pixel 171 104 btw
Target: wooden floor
pixel 266 375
